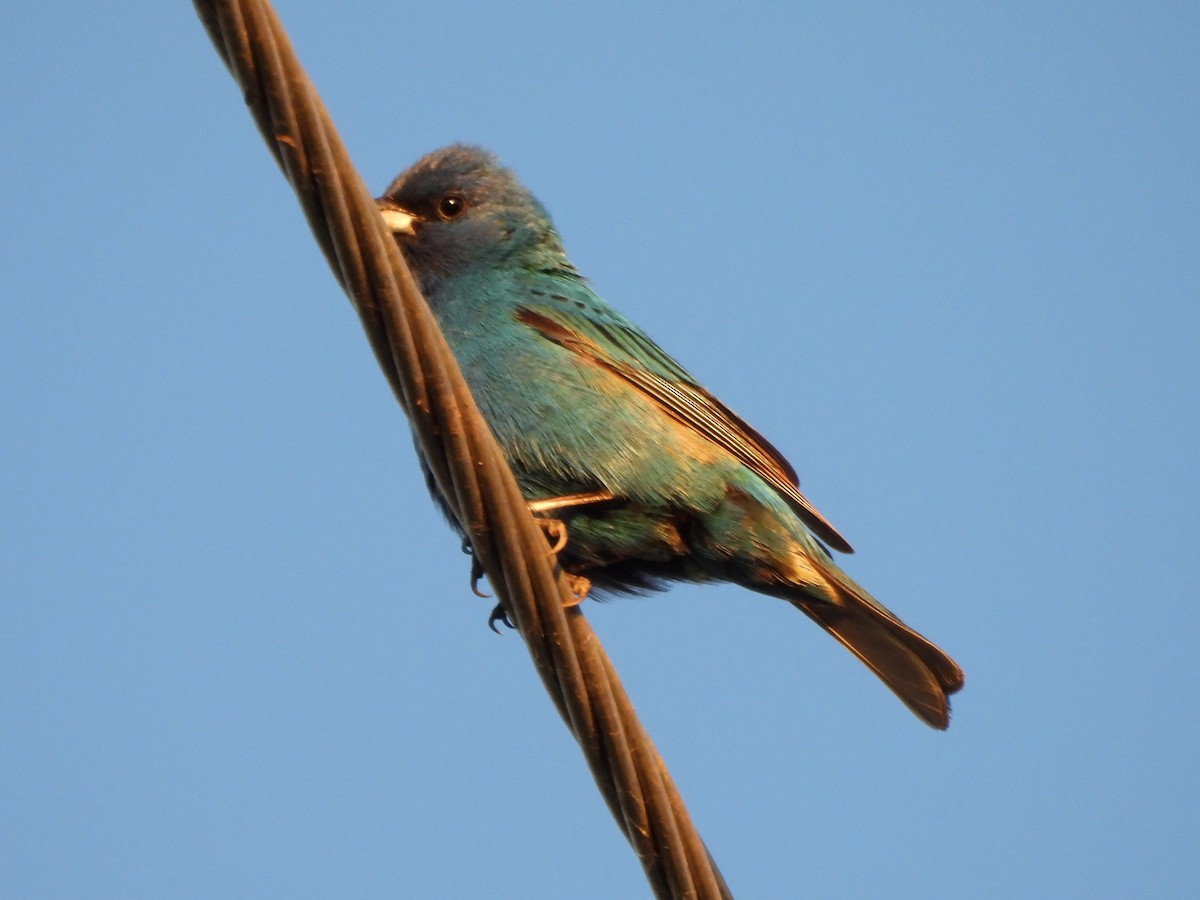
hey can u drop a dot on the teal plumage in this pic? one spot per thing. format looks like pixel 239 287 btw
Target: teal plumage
pixel 664 482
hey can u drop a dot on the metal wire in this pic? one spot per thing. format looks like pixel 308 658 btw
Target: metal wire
pixel 463 456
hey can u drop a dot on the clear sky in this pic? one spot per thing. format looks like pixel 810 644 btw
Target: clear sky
pixel 946 257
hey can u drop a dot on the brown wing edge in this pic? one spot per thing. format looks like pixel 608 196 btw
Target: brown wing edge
pixel 763 458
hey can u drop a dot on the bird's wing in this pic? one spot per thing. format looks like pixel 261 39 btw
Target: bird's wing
pixel 576 319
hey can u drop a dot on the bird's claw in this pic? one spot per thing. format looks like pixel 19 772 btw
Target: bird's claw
pixel 579 591
pixel 580 586
pixel 499 615
pixel 476 570
pixel 556 532
pixel 476 574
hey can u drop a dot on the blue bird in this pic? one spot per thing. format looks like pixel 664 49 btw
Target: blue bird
pixel 653 477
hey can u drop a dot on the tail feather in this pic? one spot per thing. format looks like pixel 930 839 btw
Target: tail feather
pixel 916 670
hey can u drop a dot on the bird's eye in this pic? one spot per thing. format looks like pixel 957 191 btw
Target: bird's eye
pixel 451 207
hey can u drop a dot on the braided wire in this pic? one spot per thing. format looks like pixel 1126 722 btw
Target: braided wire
pixel 462 455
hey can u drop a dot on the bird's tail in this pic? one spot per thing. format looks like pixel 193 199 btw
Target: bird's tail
pixel 918 671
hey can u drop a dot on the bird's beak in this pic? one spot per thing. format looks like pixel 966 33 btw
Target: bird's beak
pixel 400 221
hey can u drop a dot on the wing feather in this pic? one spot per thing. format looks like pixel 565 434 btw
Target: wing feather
pixel 607 339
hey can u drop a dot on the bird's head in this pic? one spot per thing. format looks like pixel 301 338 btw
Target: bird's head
pixel 458 209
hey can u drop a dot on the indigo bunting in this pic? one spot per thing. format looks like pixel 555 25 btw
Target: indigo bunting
pixel 654 479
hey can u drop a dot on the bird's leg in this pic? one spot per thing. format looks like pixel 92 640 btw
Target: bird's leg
pixel 568 501
pixel 556 529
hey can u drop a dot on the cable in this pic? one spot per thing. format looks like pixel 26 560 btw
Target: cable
pixel 464 458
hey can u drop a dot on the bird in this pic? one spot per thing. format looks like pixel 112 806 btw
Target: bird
pixel 655 479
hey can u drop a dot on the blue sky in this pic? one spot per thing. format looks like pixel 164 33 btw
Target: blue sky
pixel 943 256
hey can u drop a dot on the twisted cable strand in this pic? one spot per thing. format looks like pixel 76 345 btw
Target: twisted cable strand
pixel 460 450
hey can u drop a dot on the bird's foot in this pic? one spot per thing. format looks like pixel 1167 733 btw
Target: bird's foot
pixel 580 587
pixel 556 529
pixel 556 533
pixel 499 615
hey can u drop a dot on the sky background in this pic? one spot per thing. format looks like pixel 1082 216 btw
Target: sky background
pixel 945 256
